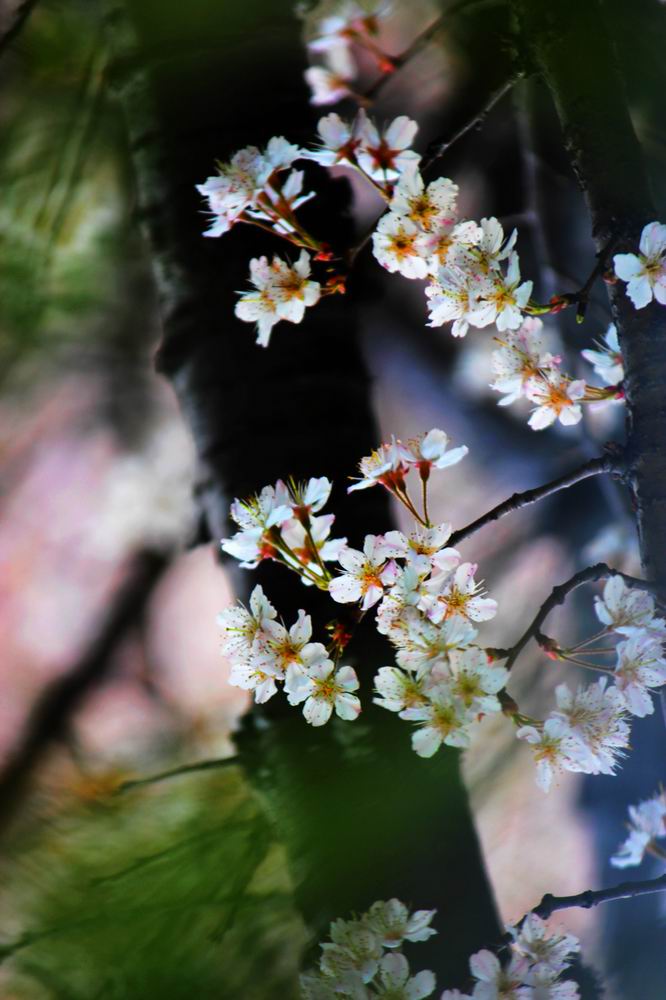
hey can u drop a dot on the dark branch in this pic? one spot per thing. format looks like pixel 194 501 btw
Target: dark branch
pixel 51 714
pixel 558 595
pixel 201 765
pixel 595 467
pixel 592 897
pixel 441 145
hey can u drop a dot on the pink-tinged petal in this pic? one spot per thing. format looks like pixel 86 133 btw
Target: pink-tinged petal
pixel 653 240
pixel 639 291
pixel 317 711
pixel 346 678
pixel 484 965
pixel 346 589
pixel 446 560
pixel 638 700
pixel 373 594
pixel 422 985
pixel 627 266
pixel 570 415
pixel 347 707
pixel 426 742
pixel 659 290
pixel 542 417
pixel 389 573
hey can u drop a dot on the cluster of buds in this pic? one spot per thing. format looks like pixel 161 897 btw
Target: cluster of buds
pixel 363 959
pixel 589 729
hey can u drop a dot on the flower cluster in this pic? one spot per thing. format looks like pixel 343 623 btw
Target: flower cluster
pixel 248 189
pixel 335 36
pixel 647 824
pixel 524 368
pixel 363 958
pixel 264 654
pixel 533 971
pixel 427 601
pixel 588 730
pixel 280 523
pixel 645 272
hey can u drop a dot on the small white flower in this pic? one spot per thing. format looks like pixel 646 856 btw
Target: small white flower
pixel 444 719
pixel 645 274
pixel 330 83
pixel 452 298
pixel 387 465
pixel 240 626
pixel 519 358
pixel 398 689
pixel 473 679
pixel 429 451
pixel 554 750
pixel 338 141
pixel 640 666
pixel 595 716
pixel 424 644
pixel 457 594
pixel 426 207
pixel 495 982
pixel 625 609
pixel 395 982
pixel 257 518
pixel 556 398
pixel 503 302
pixel 281 292
pixel 385 155
pixel 395 246
pixel 607 361
pixel 237 186
pixel 647 823
pixel 550 953
pixel 324 689
pixel 368 573
pixel 393 923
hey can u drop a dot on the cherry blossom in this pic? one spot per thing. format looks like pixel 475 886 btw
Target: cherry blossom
pixel 281 292
pixel 241 627
pixel 473 679
pixel 495 982
pixel 640 666
pixel 520 358
pixel 503 301
pixel 645 273
pixel 256 518
pixel 393 923
pixel 557 398
pixel 647 822
pixel 395 982
pixel 595 716
pixel 324 689
pixel 547 952
pixel 368 573
pixel 554 749
pixel 429 451
pixel 426 207
pixel 444 719
pixel 458 593
pixel 398 690
pixel 384 155
pixel 395 246
pixel 422 644
pixel 625 609
pixel 607 361
pixel 338 142
pixel 330 83
pixel 452 298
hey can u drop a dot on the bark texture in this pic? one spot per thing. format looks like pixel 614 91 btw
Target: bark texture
pixel 363 818
pixel 572 48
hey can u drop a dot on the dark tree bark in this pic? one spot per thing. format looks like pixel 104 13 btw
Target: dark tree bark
pixel 571 47
pixel 363 817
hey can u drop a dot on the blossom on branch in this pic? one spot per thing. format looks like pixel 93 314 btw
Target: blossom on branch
pixel 647 823
pixel 645 273
pixel 281 292
pixel 607 361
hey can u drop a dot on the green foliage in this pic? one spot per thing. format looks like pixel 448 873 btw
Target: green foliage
pixel 175 891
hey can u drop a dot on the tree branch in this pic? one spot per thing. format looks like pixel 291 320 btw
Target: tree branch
pixel 51 714
pixel 557 596
pixel 201 765
pixel 595 467
pixel 570 45
pixel 592 897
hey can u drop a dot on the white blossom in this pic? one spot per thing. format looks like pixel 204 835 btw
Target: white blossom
pixel 330 83
pixel 607 361
pixel 519 358
pixel 368 573
pixel 393 923
pixel 384 155
pixel 338 141
pixel 625 609
pixel 241 627
pixel 452 298
pixel 554 749
pixel 256 517
pixel 395 982
pixel 504 300
pixel 495 982
pixel 325 689
pixel 398 689
pixel 549 953
pixel 429 451
pixel 640 667
pixel 386 465
pixel 647 822
pixel 281 292
pixel 556 398
pixel 429 207
pixel 395 246
pixel 444 719
pixel 645 273
pixel 457 593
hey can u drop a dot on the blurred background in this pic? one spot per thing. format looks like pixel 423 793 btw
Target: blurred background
pixel 109 658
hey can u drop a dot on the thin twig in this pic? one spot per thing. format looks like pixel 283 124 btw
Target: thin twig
pixel 596 466
pixel 592 897
pixel 558 595
pixel 202 765
pixel 440 146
